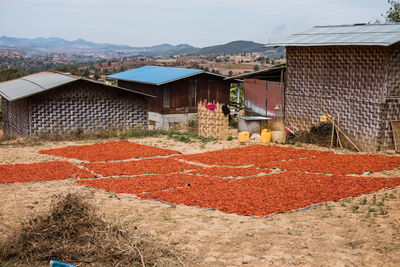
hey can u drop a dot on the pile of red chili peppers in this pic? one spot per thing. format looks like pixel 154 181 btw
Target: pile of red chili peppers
pixel 300 178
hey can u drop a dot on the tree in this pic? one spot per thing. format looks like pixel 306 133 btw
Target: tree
pixel 256 68
pixel 86 73
pixel 10 74
pixel 230 73
pixel 393 14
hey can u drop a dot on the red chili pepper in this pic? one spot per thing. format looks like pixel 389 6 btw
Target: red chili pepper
pixel 114 150
pixel 137 167
pixel 46 171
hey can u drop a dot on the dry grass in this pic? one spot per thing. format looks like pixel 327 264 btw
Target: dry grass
pixel 72 232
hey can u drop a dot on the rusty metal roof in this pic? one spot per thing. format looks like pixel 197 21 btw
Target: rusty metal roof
pixel 260 73
pixel 356 34
pixel 42 81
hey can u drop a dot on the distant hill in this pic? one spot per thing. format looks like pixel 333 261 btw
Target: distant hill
pixel 80 46
pixel 234 47
pixel 53 43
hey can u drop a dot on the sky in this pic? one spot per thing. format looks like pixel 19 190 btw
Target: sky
pixel 196 22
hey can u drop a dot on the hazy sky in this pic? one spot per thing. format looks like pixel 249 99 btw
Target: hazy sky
pixel 196 22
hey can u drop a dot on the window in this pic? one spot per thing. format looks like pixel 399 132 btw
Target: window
pixel 166 96
pixel 192 94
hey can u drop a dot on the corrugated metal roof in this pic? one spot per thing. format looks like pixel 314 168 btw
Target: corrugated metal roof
pixel 155 75
pixel 43 81
pixel 118 87
pixel 357 34
pixel 259 72
pixel 33 84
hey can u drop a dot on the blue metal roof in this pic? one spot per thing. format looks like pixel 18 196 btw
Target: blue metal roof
pixel 155 75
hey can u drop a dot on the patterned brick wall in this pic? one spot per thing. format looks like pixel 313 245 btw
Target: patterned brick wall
pixel 15 117
pixel 393 81
pixel 88 106
pixel 391 109
pixel 350 81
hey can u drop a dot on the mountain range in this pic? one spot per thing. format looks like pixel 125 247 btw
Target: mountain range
pixel 80 46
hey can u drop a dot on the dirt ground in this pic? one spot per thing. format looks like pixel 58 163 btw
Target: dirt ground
pixel 357 231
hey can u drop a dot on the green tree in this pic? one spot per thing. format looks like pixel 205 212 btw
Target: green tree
pixel 86 73
pixel 10 74
pixel 393 14
pixel 256 68
pixel 230 73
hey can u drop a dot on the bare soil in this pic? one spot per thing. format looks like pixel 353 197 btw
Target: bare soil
pixel 352 232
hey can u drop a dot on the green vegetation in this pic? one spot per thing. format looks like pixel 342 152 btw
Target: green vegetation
pixel 74 70
pixel 234 92
pixel 80 134
pixel 393 14
pixel 6 75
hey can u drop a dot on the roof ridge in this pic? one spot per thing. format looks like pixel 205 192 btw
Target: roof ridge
pixel 356 24
pixel 23 78
pixel 330 33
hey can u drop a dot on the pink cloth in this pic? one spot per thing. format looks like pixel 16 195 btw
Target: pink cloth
pixel 210 107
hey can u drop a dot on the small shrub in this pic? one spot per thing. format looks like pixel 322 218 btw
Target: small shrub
pixel 354 209
pixel 372 210
pixel 382 212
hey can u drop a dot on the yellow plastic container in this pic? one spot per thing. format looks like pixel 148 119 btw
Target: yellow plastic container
pixel 266 136
pixel 244 136
pixel 264 131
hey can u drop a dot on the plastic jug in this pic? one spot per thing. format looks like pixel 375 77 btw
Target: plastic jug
pixel 244 136
pixel 266 136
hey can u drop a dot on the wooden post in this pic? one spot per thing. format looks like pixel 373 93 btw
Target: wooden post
pixel 338 142
pixel 337 127
pixel 333 132
pixel 238 99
